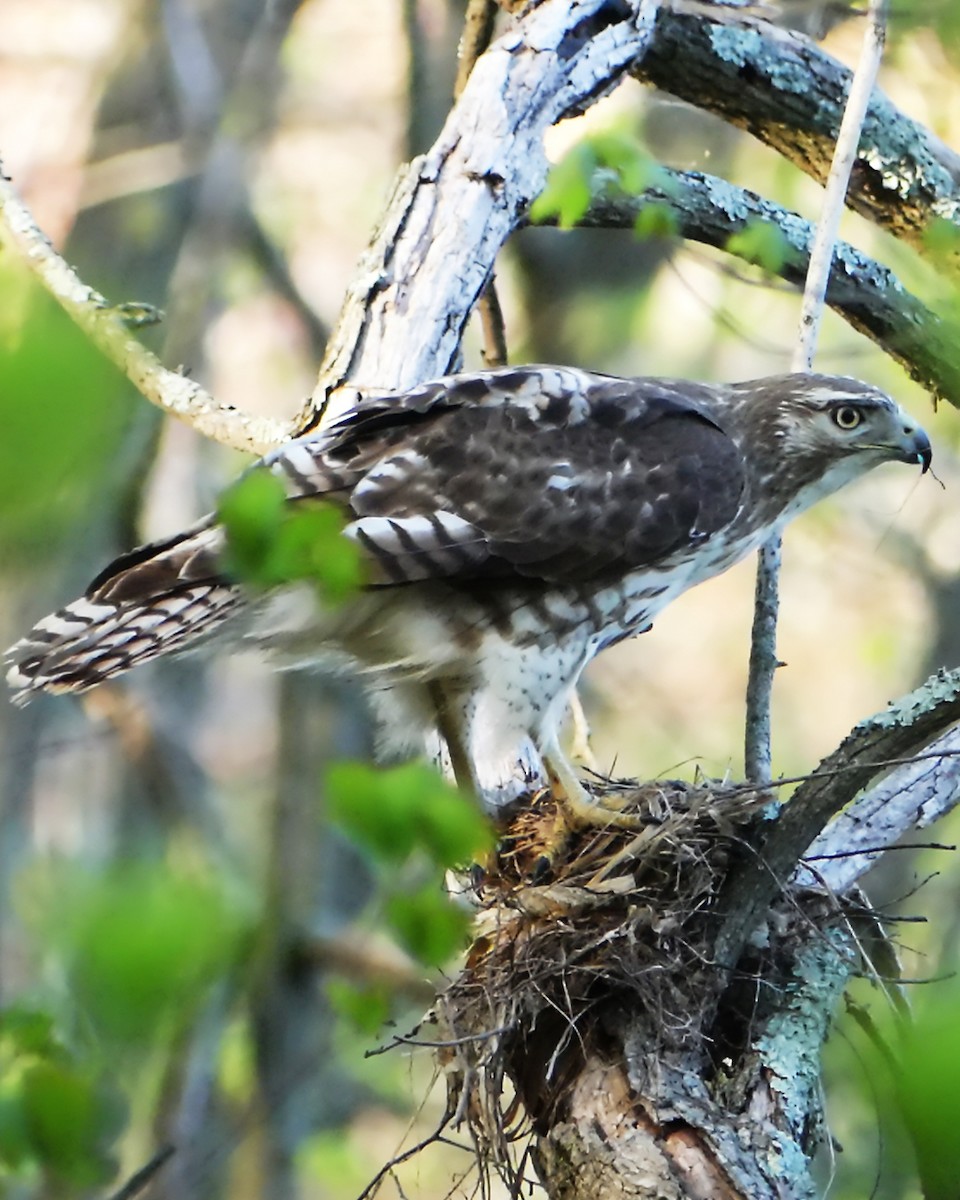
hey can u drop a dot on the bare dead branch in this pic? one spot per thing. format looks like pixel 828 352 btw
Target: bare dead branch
pixel 453 208
pixel 478 25
pixel 477 31
pixel 105 326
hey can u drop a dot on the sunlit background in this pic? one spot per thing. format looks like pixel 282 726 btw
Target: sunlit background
pixel 226 161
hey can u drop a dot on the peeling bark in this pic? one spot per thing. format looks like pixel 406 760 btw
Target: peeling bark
pixel 453 208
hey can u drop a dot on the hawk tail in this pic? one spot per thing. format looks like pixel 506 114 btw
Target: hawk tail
pixel 158 599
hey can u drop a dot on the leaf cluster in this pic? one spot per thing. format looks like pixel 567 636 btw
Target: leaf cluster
pixel 272 540
pixel 414 827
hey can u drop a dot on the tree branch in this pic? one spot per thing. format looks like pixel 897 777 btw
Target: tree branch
pixel 107 328
pixel 912 796
pixel 903 729
pixel 865 293
pixel 453 208
pixel 789 93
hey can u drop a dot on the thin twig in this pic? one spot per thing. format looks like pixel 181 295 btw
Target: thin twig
pixel 477 31
pixel 139 1179
pixel 107 328
pixel 757 753
pixel 491 322
pixel 763 651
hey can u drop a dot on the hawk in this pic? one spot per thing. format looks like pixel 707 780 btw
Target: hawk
pixel 515 522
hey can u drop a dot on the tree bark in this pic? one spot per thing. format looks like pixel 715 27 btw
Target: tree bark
pixel 789 93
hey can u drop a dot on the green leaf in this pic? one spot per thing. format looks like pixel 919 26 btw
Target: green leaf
pixel 928 1094
pixel 272 540
pixel 611 159
pixel 656 221
pixel 63 413
pixel 427 924
pixel 567 192
pixel 366 1008
pixel 25 1031
pixel 618 151
pixel 761 243
pixel 452 827
pixel 69 1122
pixel 16 1148
pixel 392 810
pixel 140 945
pixel 379 809
pixel 251 512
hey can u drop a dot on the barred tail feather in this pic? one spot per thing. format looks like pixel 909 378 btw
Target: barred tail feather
pixel 156 600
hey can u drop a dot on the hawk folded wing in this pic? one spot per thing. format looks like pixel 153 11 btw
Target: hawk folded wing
pixel 515 522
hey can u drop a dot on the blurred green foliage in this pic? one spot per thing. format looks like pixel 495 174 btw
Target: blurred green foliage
pixel 367 1008
pixel 272 540
pixel 940 17
pixel 63 415
pixel 415 827
pixel 138 943
pixel 927 1090
pixel 58 1113
pixel 391 811
pixel 611 159
pixel 136 949
pixel 761 243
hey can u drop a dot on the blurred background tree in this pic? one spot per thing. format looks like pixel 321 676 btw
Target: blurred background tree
pixel 177 913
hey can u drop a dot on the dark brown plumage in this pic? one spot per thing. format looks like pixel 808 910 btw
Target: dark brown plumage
pixel 515 522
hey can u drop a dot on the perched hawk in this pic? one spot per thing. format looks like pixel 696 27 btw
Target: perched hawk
pixel 516 522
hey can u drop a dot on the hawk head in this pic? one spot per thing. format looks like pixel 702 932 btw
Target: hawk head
pixel 805 436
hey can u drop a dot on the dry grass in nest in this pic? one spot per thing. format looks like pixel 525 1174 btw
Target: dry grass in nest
pixel 571 924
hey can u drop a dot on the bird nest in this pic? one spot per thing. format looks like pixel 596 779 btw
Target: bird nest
pixel 573 927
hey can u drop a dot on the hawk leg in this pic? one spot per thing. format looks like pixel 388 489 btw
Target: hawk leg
pixel 580 808
pixel 449 730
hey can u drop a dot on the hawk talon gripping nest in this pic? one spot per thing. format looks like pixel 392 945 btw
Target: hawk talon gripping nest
pixel 515 523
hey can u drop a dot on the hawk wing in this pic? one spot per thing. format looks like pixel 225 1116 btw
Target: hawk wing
pixel 542 473
pixel 546 474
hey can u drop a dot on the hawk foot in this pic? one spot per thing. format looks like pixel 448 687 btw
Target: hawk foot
pixel 576 811
pixel 579 808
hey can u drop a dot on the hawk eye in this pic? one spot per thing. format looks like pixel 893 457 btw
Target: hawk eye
pixel 847 417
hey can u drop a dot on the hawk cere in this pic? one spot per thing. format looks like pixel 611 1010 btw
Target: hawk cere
pixel 515 523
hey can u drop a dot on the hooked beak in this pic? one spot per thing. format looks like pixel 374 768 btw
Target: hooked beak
pixel 917 448
pixel 925 456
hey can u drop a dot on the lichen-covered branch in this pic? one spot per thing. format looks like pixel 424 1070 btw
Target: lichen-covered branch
pixel 790 94
pixel 903 729
pixel 453 208
pixel 913 796
pixel 865 293
pixel 108 329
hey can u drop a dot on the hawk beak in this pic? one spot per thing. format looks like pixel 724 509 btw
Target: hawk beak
pixel 921 450
pixel 917 448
